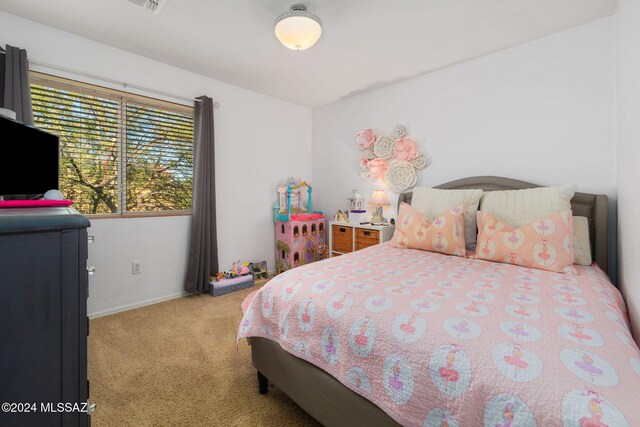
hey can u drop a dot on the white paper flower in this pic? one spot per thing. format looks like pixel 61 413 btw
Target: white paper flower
pixel 401 175
pixel 383 147
pixel 399 132
pixel 364 174
pixel 370 154
pixel 421 162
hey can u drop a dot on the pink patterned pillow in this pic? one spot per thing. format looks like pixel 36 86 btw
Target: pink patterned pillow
pixel 546 243
pixel 444 234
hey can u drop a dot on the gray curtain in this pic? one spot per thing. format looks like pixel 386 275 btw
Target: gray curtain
pixel 203 247
pixel 2 62
pixel 17 93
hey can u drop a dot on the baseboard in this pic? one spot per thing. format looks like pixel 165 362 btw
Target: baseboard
pixel 115 310
pixel 136 305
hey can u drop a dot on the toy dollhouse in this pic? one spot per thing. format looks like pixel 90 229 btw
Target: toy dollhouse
pixel 300 231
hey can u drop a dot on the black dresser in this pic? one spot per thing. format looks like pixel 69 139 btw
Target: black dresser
pixel 43 317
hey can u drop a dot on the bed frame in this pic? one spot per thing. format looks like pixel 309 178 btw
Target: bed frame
pixel 333 404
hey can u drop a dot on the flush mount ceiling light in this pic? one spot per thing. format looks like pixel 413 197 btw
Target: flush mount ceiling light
pixel 298 29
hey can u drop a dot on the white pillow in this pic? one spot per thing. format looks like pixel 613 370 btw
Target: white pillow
pixel 521 207
pixel 581 244
pixel 431 202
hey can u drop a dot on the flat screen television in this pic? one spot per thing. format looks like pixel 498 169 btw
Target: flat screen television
pixel 29 160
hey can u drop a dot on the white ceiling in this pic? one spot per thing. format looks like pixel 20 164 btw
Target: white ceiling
pixel 366 44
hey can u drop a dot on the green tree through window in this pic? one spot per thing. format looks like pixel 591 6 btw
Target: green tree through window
pixel 117 154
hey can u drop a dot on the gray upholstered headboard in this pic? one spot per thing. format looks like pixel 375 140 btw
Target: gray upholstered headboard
pixel 593 206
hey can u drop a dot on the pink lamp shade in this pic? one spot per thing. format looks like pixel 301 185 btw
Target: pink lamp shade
pixel 379 198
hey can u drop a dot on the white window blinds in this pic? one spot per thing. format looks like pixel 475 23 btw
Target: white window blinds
pixel 119 153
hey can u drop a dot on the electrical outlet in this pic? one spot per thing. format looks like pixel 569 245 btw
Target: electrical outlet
pixel 136 267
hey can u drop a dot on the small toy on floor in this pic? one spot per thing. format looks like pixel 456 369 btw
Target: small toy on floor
pixel 259 271
pixel 237 269
pixel 241 269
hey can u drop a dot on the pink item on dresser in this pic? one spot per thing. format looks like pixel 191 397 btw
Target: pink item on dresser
pixel 434 339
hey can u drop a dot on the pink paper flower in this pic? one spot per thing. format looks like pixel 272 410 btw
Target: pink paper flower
pixel 364 162
pixel 405 148
pixel 378 168
pixel 365 138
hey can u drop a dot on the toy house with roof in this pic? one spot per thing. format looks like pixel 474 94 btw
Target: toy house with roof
pixel 300 232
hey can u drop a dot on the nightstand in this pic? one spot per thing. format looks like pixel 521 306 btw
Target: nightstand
pixel 346 237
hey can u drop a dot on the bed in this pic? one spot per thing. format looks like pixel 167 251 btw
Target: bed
pixel 569 375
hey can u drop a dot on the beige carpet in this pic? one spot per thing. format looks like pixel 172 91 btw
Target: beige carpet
pixel 176 364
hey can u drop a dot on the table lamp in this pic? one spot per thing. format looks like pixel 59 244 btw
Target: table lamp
pixel 378 200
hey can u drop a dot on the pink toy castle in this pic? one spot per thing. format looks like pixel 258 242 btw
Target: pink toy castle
pixel 300 232
pixel 297 242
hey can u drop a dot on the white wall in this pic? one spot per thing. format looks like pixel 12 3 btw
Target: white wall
pixel 628 44
pixel 159 242
pixel 543 112
pixel 259 141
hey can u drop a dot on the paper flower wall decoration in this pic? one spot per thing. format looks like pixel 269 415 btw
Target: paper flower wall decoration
pixel 392 159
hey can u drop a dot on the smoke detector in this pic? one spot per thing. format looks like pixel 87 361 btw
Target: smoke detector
pixel 152 6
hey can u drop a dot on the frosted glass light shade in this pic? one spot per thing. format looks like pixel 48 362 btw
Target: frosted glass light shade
pixel 298 29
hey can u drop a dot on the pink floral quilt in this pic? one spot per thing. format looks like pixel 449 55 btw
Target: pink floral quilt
pixel 441 340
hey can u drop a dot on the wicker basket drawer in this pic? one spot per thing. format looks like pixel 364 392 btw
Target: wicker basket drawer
pixel 342 237
pixel 366 238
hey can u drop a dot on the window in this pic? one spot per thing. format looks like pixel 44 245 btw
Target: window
pixel 119 152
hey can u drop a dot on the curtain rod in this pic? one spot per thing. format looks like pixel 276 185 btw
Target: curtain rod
pixel 124 84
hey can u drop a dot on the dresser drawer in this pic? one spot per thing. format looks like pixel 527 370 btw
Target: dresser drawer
pixel 366 238
pixel 342 238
